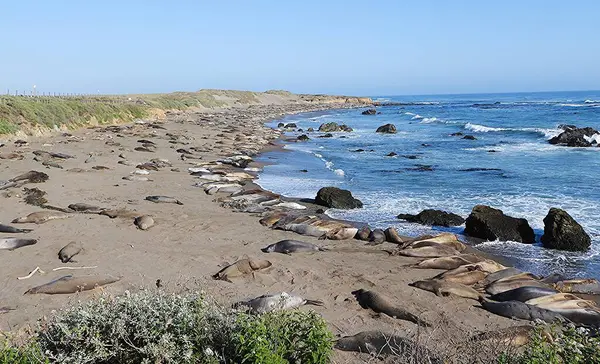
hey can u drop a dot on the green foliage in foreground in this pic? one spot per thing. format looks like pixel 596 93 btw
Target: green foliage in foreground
pixel 558 345
pixel 152 327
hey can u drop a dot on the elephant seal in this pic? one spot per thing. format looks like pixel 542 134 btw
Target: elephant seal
pixel 70 250
pixel 272 218
pixel 121 213
pixel 31 177
pixel 304 229
pixel 85 208
pixel 343 233
pixel 40 217
pixel 69 284
pixel 381 304
pixel 241 268
pixel 143 222
pixel 520 310
pixel 276 302
pixel 163 199
pixel 363 233
pixel 291 246
pixel 379 343
pixel 467 278
pixel 553 298
pixel 445 289
pixel 433 251
pixel 392 236
pixel 15 243
pixel 503 273
pixel 376 237
pixel 585 286
pixel 511 336
pixel 487 266
pixel 440 238
pixel 523 294
pixel 13 230
pixel 450 262
pixel 454 244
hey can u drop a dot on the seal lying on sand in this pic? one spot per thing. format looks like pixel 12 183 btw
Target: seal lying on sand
pixel 506 284
pixel 381 304
pixel 144 222
pixel 586 286
pixel 12 229
pixel 451 262
pixel 15 243
pixel 453 243
pixel 274 302
pixel 163 199
pixel 121 213
pixel 445 289
pixel 510 336
pixel 69 284
pixel 433 251
pixel 503 273
pixel 523 294
pixel 520 310
pixel 70 250
pixel 379 343
pixel 85 208
pixel 241 268
pixel 40 217
pixel 291 246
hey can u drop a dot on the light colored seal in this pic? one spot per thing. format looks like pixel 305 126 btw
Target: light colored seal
pixel 452 243
pixel 277 302
pixel 291 246
pixel 586 286
pixel 445 289
pixel 504 273
pixel 13 230
pixel 432 251
pixel 144 222
pixel 120 213
pixel 70 250
pixel 342 233
pixel 15 243
pixel 451 262
pixel 241 268
pixel 69 284
pixel 511 336
pixel 85 208
pixel 467 278
pixel 40 217
pixel 488 266
pixel 163 199
pixel 381 304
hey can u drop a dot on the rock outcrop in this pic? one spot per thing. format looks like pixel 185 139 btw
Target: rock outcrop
pixel 387 129
pixel 303 137
pixel 334 127
pixel 337 198
pixel 573 136
pixel 562 232
pixel 491 224
pixel 434 218
pixel 370 112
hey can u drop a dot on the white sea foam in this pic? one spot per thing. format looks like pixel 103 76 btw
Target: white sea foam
pixel 417 117
pixel 409 113
pixel 548 133
pixel 594 139
pixel 572 105
pixel 429 120
pixel 482 128
pixel 592 101
pixel 339 172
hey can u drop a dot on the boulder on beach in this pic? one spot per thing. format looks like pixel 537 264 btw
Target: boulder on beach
pixel 387 129
pixel 434 218
pixel 573 136
pixel 333 127
pixel 562 232
pixel 369 112
pixel 337 198
pixel 491 224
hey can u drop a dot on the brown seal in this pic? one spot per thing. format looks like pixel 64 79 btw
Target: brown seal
pixel 70 250
pixel 40 217
pixel 445 289
pixel 241 268
pixel 381 304
pixel 69 284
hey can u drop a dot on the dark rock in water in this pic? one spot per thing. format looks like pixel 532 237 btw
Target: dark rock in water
pixel 387 129
pixel 377 236
pixel 333 127
pixel 310 130
pixel 574 137
pixel 491 224
pixel 358 150
pixel 300 130
pixel 280 125
pixel 434 218
pixel 319 211
pixel 369 112
pixel 303 137
pixel 304 170
pixel 479 169
pixel 421 168
pixel 410 156
pixel 457 134
pixel 392 154
pixel 562 232
pixel 328 135
pixel 290 126
pixel 363 233
pixel 492 151
pixel 337 198
pixel 426 145
pixel 469 137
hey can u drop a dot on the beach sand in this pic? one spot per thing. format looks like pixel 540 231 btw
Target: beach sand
pixel 191 242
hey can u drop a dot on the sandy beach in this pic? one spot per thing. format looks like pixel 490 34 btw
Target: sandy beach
pixel 193 241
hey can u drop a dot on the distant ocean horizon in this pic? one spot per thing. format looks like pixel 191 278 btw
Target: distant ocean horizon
pixel 510 165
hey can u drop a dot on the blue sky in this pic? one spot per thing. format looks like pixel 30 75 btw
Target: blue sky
pixel 352 47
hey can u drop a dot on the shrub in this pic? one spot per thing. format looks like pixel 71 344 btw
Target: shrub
pixel 28 353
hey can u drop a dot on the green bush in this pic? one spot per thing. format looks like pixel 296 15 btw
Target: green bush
pixel 567 345
pixel 29 353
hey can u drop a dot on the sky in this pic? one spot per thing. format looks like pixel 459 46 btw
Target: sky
pixel 349 47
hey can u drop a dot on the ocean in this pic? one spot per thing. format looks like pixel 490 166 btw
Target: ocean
pixel 510 166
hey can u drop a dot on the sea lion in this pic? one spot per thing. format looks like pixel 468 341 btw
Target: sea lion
pixel 15 243
pixel 376 237
pixel 144 222
pixel 121 213
pixel 451 262
pixel 503 286
pixel 379 343
pixel 445 289
pixel 70 250
pixel 40 217
pixel 381 304
pixel 586 286
pixel 85 208
pixel 241 268
pixel 291 246
pixel 13 230
pixel 69 284
pixel 433 251
pixel 163 199
pixel 363 233
pixel 276 302
pixel 503 273
pixel 520 310
pixel 523 294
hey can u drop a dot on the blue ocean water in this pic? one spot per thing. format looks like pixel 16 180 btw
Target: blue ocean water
pixel 510 166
